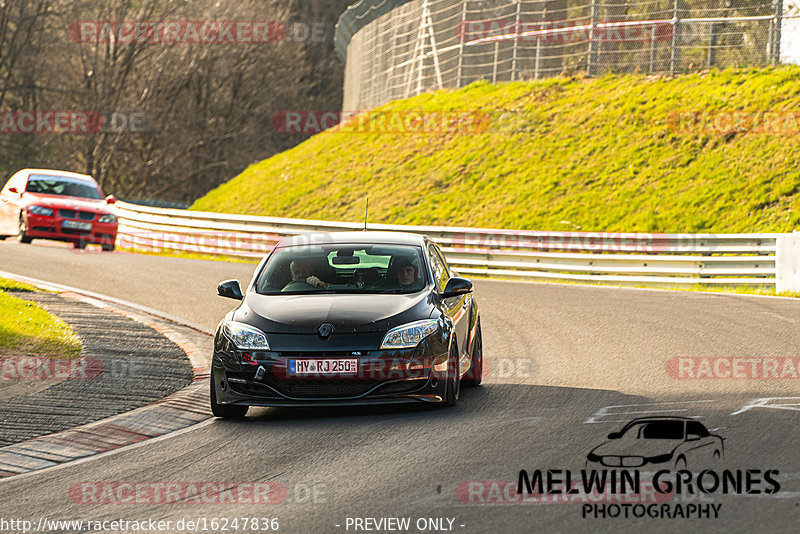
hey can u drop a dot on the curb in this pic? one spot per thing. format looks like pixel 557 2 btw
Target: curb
pixel 180 410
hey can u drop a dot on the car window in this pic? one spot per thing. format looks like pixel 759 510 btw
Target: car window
pixel 693 427
pixel 439 267
pixel 55 185
pixel 343 268
pixel 662 430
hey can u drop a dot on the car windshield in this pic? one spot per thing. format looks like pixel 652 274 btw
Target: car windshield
pixel 656 430
pixel 61 186
pixel 343 268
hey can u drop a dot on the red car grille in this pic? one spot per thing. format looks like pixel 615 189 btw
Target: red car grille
pixel 73 214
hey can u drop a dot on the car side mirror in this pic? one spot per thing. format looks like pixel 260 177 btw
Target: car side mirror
pixel 692 437
pixel 12 190
pixel 111 199
pixel 614 435
pixel 457 286
pixel 230 289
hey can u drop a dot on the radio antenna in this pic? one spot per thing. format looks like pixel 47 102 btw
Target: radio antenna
pixel 366 213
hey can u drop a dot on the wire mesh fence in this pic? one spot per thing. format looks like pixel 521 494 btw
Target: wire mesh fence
pixel 399 48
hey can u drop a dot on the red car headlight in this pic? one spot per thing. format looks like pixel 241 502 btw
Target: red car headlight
pixel 41 210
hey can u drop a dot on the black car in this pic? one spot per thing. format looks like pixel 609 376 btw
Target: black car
pixel 677 441
pixel 348 318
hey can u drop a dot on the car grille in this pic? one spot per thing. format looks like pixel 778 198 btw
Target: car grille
pixel 72 214
pixel 321 387
pixel 622 461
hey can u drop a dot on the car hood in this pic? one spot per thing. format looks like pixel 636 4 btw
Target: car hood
pixel 72 203
pixel 637 447
pixel 348 313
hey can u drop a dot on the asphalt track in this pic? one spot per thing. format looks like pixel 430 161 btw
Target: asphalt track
pixel 569 364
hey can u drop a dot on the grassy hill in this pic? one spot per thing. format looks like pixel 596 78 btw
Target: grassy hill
pixel 610 154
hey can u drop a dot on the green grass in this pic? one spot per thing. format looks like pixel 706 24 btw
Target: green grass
pixel 26 329
pixel 13 285
pixel 598 154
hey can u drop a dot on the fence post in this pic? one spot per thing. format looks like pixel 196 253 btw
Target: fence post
pixel 590 60
pixel 776 33
pixel 516 42
pixel 712 44
pixel 652 50
pixel 674 58
pixel 494 62
pixel 787 263
pixel 538 55
pixel 463 37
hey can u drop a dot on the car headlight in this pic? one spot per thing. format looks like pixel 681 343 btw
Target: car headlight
pixel 660 459
pixel 409 335
pixel 41 210
pixel 107 219
pixel 244 336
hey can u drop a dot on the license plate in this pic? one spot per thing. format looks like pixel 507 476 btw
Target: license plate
pixel 326 367
pixel 77 225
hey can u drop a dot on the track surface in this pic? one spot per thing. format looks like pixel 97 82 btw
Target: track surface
pixel 569 365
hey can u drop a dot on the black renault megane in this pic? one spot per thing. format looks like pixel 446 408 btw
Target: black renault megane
pixel 347 318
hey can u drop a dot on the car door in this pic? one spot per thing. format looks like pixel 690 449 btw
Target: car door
pixel 457 307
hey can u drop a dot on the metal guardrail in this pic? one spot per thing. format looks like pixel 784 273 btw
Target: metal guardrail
pixel 657 260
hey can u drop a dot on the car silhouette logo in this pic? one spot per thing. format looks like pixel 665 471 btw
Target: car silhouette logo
pixel 675 441
pixel 325 330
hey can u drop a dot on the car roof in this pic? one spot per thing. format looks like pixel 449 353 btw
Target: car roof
pixel 331 238
pixel 64 174
pixel 659 418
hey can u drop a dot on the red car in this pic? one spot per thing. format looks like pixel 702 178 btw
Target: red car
pixel 65 206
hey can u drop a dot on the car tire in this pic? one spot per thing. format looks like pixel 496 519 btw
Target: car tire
pixel 80 245
pixel 22 235
pixel 221 410
pixel 108 248
pixel 453 389
pixel 476 370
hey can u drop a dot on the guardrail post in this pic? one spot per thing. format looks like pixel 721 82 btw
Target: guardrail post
pixel 787 263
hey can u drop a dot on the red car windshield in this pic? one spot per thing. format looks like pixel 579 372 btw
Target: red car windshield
pixel 57 185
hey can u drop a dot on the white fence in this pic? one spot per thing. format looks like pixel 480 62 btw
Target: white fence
pixel 656 260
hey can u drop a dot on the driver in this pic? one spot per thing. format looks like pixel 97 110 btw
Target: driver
pixel 303 277
pixel 407 273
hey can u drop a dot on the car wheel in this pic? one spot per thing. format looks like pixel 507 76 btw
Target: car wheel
pixel 222 410
pixel 108 248
pixel 476 370
pixel 453 379
pixel 22 234
pixel 80 245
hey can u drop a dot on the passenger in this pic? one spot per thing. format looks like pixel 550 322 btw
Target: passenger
pixel 303 277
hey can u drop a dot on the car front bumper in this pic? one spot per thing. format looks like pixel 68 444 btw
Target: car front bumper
pixel 383 377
